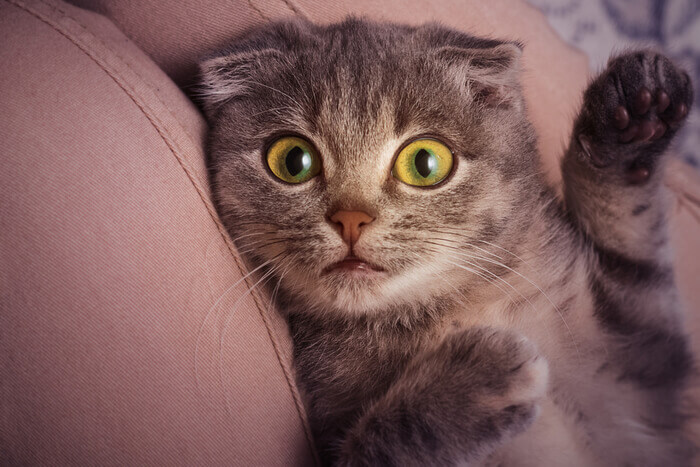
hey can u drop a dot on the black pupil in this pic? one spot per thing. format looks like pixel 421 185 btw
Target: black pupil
pixel 295 161
pixel 424 162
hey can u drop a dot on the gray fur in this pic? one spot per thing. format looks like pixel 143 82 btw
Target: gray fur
pixel 511 327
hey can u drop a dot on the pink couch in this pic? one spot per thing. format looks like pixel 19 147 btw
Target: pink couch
pixel 126 334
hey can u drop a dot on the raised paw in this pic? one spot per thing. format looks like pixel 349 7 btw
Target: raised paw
pixel 652 94
pixel 632 110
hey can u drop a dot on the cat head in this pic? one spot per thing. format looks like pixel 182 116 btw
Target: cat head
pixel 357 163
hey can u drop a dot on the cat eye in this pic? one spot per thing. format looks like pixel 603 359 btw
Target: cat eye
pixel 423 162
pixel 293 160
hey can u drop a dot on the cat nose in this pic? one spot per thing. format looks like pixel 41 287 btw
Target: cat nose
pixel 350 223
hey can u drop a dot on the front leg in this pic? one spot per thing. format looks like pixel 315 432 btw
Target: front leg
pixel 613 169
pixel 613 176
pixel 453 404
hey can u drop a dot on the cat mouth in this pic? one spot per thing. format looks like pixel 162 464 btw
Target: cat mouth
pixel 353 265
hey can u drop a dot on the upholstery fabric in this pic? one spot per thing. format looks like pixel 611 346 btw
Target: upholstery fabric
pixel 113 264
pixel 127 336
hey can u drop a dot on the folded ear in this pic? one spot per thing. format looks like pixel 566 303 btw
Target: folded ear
pixel 489 75
pixel 229 76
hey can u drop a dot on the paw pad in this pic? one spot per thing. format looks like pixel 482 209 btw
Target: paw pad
pixel 650 118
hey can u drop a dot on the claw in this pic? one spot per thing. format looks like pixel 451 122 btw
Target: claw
pixel 646 130
pixel 659 131
pixel 588 149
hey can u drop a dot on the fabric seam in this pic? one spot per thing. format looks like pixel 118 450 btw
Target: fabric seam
pixel 294 8
pixel 258 10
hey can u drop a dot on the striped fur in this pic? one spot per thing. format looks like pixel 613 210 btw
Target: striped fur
pixel 512 327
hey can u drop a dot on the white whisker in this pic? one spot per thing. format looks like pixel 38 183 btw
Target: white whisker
pixel 259 283
pixel 539 289
pixel 209 314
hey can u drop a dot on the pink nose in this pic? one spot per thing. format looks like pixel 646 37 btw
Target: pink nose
pixel 350 223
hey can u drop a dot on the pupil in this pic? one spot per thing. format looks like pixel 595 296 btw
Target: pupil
pixel 425 163
pixel 297 160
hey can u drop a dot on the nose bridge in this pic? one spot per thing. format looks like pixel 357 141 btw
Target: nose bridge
pixel 358 168
pixel 352 192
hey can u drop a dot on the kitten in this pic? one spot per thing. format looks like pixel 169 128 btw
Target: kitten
pixel 445 306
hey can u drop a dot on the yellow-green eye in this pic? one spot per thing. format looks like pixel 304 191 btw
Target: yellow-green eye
pixel 424 162
pixel 293 160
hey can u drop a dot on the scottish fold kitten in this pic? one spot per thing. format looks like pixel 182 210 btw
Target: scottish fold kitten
pixel 446 308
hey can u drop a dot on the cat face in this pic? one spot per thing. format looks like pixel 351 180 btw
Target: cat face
pixel 316 162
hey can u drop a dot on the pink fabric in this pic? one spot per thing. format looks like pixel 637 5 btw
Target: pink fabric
pixel 113 264
pixel 115 276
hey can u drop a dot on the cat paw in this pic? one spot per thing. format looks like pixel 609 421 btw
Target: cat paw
pixel 479 387
pixel 501 371
pixel 653 95
pixel 515 376
pixel 632 111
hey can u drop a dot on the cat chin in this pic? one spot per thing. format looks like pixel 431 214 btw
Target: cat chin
pixel 357 295
pixel 363 294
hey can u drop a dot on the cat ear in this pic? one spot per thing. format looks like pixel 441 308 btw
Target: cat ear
pixel 489 75
pixel 229 76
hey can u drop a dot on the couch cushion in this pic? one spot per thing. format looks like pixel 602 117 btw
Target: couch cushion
pixel 126 335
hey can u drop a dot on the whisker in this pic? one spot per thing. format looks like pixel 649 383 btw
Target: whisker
pixel 491 281
pixel 507 251
pixel 240 245
pixel 209 314
pixel 260 247
pixel 260 283
pixel 467 241
pixel 231 314
pixel 271 88
pixel 250 234
pixel 539 289
pixel 276 110
pixel 247 222
pixel 477 273
pixel 449 283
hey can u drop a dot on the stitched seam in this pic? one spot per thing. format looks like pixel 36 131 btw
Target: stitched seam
pixel 150 114
pixel 117 55
pixel 258 10
pixel 294 8
pixel 174 148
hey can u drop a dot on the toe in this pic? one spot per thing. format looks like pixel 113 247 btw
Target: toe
pixel 629 134
pixel 659 130
pixel 622 118
pixel 646 130
pixel 642 102
pixel 638 175
pixel 680 113
pixel 662 101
